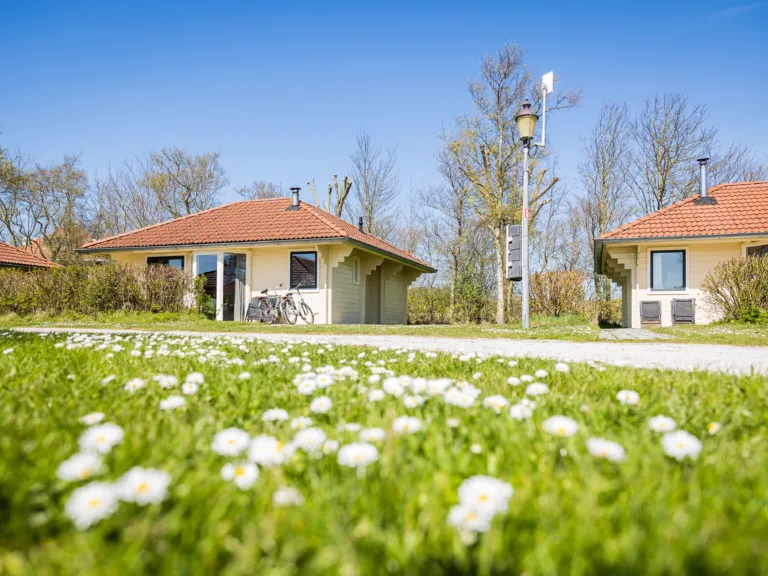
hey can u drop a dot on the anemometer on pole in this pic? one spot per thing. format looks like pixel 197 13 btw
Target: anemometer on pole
pixel 517 235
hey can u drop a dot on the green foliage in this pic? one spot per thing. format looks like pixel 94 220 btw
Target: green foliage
pixel 604 312
pixel 427 305
pixel 734 288
pixel 570 513
pixel 94 289
pixel 557 293
pixel 754 315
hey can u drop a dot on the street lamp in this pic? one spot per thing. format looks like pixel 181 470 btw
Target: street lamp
pixel 526 125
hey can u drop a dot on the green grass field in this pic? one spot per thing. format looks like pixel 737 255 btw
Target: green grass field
pixel 570 511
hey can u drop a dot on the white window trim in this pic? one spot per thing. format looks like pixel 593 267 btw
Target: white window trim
pixel 219 278
pixel 685 291
pixel 356 266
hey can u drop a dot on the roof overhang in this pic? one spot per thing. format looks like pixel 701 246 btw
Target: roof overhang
pixel 223 245
pixel 600 243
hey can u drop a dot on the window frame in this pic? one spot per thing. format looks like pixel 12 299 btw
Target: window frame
pixel 761 246
pixel 290 269
pixel 685 271
pixel 166 257
pixel 356 268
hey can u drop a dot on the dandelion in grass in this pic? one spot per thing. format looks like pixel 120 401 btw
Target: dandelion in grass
pixel 166 381
pixel 101 438
pixel 606 449
pixel 661 424
pixel 134 384
pixel 172 402
pixel 357 455
pixel 268 451
pixel 713 428
pixel 681 445
pixel 92 418
pixel 301 422
pixel 79 467
pixel 520 411
pixel 541 373
pixel 310 440
pixel 143 486
pixel 561 426
pixel 496 403
pixel 628 397
pixel 91 503
pixel 406 425
pixel 372 435
pixel 537 389
pixel 243 474
pixel 320 405
pixel 287 496
pixel 485 493
pixel 562 367
pixel 230 442
pixel 275 415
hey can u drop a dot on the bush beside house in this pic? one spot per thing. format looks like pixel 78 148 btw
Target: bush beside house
pixel 737 289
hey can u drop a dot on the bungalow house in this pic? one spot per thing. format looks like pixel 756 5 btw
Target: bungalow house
pixel 345 274
pixel 661 260
pixel 12 257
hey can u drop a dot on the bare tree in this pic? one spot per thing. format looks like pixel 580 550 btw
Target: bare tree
pixel 13 186
pixel 333 205
pixel 185 183
pixel 490 156
pixel 374 172
pixel 260 190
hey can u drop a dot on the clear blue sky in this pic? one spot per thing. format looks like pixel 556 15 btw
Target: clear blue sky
pixel 281 88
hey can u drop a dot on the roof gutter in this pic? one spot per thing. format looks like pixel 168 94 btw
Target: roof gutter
pixel 330 240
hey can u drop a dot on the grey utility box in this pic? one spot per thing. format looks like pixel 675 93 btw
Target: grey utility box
pixel 514 252
pixel 650 313
pixel 683 311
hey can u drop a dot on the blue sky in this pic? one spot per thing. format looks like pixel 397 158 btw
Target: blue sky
pixel 280 89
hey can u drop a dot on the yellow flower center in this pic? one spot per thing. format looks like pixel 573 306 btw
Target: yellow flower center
pixel 143 487
pixel 483 497
pixel 469 516
pixel 93 502
pixel 280 446
pixel 358 458
pixel 561 431
pixel 85 473
pixel 231 441
pixel 239 471
pixel 100 439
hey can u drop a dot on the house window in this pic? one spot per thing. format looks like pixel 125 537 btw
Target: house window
pixel 304 270
pixel 174 261
pixel 758 250
pixel 668 270
pixel 355 270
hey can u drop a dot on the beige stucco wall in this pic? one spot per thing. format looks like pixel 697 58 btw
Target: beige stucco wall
pixel 336 299
pixel 630 267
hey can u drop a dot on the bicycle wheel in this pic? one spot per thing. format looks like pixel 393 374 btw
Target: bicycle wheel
pixel 268 313
pixel 289 312
pixel 306 313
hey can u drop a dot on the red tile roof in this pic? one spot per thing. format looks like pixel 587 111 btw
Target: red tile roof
pixel 12 256
pixel 741 208
pixel 249 221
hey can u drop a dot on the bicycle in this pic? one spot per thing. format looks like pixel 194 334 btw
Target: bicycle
pixel 264 309
pixel 301 307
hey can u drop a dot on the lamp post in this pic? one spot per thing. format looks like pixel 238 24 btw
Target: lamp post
pixel 526 125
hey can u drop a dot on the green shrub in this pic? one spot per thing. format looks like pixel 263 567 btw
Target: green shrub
pixel 737 287
pixel 95 289
pixel 604 312
pixel 557 293
pixel 754 315
pixel 427 305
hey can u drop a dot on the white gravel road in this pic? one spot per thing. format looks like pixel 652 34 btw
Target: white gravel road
pixel 742 360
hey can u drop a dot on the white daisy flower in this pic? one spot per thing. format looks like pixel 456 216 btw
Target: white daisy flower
pixel 143 486
pixel 485 493
pixel 560 426
pixel 172 402
pixel 470 519
pixel 520 412
pixel 376 395
pixel 357 455
pixel 100 438
pixel 134 384
pixel 195 378
pixel 324 380
pixel 476 449
pixel 268 451
pixel 374 378
pixel 244 376
pixel 526 378
pixel 190 388
pixel 512 363
pixel 230 442
pixel 350 427
pixel 628 397
pixel 513 381
pixel 680 445
pixel 496 403
pixel 477 375
pixel 301 422
pixel 275 415
pixel 453 423
pixel 92 418
pixel 372 434
pixel 661 424
pixel 393 387
pixel 413 401
pixel 107 380
pixel 320 405
pixel 713 428
pixel 287 496
pixel 306 387
pixel 310 440
pixel 562 367
pixel 537 389
pixel 406 425
pixel 166 381
pixel 80 467
pixel 243 474
pixel 330 446
pixel 541 373
pixel 606 449
pixel 91 503
pixel 8 351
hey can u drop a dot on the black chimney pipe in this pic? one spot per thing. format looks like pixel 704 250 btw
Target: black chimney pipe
pixel 360 223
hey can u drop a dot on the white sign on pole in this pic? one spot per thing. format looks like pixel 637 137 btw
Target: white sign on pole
pixel 548 82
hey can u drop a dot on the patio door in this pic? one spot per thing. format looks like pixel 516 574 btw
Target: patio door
pixel 206 265
pixel 233 289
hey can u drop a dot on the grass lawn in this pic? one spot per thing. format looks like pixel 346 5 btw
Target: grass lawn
pixel 398 504
pixel 736 334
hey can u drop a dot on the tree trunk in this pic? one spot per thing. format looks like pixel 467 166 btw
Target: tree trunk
pixel 499 275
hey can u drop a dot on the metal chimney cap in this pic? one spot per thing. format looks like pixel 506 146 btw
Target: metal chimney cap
pixel 703 160
pixel 295 189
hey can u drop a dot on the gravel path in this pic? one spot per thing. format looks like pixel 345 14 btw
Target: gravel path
pixel 710 357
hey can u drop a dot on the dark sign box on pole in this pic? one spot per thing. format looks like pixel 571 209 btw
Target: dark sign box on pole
pixel 514 252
